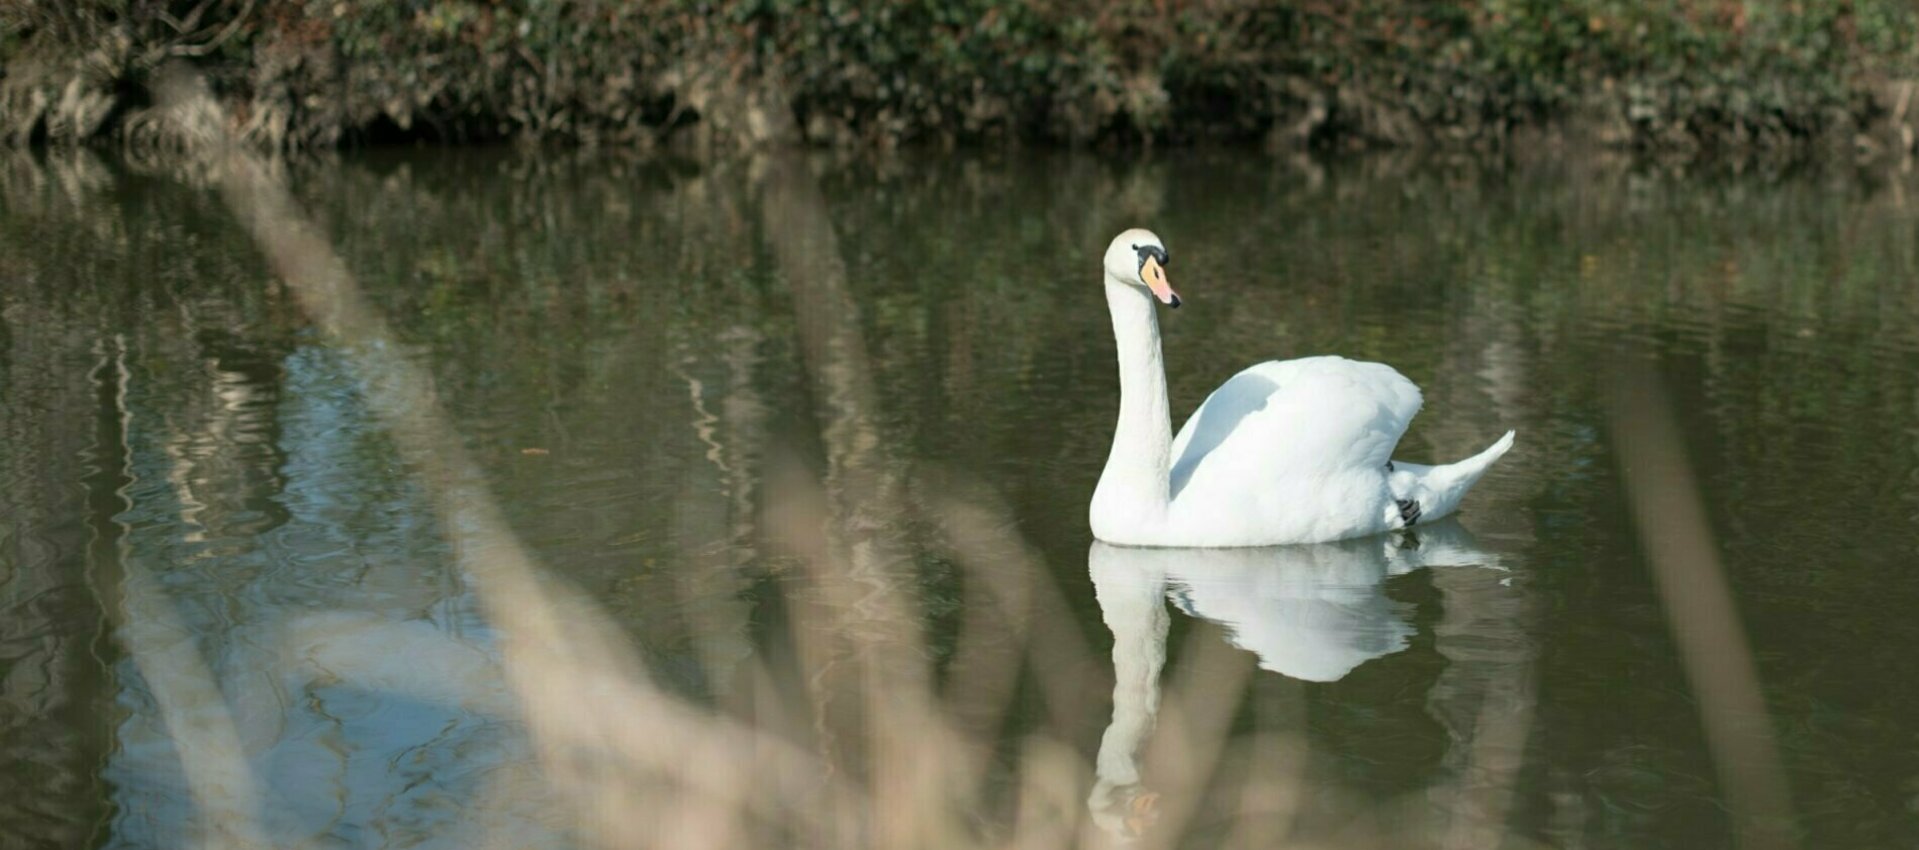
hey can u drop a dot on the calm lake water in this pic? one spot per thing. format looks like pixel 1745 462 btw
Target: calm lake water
pixel 229 580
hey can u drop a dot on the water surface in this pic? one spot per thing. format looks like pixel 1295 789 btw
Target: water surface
pixel 670 378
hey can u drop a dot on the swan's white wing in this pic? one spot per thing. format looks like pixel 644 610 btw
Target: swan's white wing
pixel 1310 417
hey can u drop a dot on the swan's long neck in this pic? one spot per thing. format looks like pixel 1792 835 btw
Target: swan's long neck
pixel 1137 470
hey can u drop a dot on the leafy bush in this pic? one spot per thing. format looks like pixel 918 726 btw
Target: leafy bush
pixel 1675 73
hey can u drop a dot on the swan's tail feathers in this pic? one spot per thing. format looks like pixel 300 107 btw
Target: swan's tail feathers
pixel 1437 491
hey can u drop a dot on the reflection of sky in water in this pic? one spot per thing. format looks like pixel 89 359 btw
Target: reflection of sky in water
pixel 361 682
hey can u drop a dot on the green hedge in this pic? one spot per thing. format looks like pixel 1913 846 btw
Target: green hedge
pixel 1681 73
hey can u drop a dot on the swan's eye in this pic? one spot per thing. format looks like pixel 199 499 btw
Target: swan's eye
pixel 1154 252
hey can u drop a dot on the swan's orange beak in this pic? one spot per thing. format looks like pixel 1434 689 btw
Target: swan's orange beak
pixel 1155 276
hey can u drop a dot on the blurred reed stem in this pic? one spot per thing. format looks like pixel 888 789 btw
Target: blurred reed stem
pixel 1697 598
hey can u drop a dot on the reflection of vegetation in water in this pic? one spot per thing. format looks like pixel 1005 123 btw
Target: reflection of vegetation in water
pixel 53 700
pixel 570 282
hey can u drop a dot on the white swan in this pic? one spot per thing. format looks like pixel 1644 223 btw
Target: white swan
pixel 1294 451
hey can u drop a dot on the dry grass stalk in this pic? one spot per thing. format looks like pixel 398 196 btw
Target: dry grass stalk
pixel 1698 602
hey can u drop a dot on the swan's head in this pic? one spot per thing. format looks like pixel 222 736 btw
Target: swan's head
pixel 1138 258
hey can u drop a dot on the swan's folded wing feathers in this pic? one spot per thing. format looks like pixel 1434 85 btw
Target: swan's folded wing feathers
pixel 1298 417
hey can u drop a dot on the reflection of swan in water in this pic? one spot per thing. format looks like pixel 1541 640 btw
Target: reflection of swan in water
pixel 1313 612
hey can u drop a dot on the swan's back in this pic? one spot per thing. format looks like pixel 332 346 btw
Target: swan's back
pixel 1309 417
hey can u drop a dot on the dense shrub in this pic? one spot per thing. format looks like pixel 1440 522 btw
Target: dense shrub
pixel 1678 73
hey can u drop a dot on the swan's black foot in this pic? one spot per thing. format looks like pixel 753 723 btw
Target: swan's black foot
pixel 1408 510
pixel 1389 466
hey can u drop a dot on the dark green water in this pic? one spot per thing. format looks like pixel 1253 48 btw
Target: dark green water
pixel 202 520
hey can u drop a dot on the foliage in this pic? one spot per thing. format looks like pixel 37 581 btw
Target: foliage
pixel 1677 73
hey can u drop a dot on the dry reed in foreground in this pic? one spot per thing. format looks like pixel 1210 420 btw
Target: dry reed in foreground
pixel 1699 608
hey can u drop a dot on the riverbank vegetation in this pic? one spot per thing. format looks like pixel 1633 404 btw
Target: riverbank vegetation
pixel 710 75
